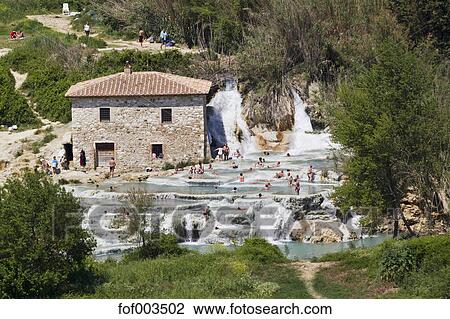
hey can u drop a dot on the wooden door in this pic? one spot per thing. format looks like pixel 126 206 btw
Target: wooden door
pixel 104 152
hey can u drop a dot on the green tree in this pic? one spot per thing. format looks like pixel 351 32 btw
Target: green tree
pixel 152 243
pixel 394 126
pixel 425 20
pixel 44 252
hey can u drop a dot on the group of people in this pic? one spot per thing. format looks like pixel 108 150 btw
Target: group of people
pixel 14 35
pixel 164 38
pixel 200 170
pixel 223 153
pixel 111 163
pixel 54 166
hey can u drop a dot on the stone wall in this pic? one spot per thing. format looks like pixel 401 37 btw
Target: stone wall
pixel 135 125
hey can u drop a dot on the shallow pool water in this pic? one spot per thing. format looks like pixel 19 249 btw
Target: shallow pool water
pixel 301 251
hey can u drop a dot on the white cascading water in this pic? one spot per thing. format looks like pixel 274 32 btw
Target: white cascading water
pixel 229 104
pixel 189 227
pixel 301 120
pixel 302 138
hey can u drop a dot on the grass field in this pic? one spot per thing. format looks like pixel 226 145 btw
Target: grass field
pixel 221 274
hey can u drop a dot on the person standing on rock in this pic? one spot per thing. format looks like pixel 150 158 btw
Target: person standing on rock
pixel 112 166
pixel 82 159
pixel 87 29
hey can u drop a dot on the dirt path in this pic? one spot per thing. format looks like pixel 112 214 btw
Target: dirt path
pixel 59 23
pixel 62 23
pixel 20 78
pixel 4 51
pixel 307 271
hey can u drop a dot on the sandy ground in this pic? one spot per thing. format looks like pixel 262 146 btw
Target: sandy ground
pixel 59 23
pixel 307 271
pixel 4 51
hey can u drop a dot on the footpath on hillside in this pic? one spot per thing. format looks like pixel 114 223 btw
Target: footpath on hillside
pixel 62 24
pixel 307 272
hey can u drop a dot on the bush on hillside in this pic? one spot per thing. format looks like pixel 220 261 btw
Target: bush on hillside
pixel 92 42
pixel 396 262
pixel 48 86
pixel 259 250
pixel 14 109
pixel 421 266
pixel 168 61
pixel 156 245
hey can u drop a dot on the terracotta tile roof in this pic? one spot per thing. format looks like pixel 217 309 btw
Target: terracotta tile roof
pixel 140 84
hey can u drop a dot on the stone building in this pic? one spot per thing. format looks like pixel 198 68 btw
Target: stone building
pixel 142 119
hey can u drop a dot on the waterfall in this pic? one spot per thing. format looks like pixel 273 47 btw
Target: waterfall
pixel 301 120
pixel 225 121
pixel 189 227
pixel 303 140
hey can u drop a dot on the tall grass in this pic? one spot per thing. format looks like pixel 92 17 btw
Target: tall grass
pixel 219 274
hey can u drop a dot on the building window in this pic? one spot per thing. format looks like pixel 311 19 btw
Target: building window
pixel 157 151
pixel 105 114
pixel 166 115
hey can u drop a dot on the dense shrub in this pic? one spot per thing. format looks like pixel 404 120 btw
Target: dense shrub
pixel 44 252
pixel 396 262
pixel 258 249
pixel 156 244
pixel 14 109
pixel 420 267
pixel 168 61
pixel 48 86
pixel 92 42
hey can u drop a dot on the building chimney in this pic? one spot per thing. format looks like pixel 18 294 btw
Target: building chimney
pixel 127 69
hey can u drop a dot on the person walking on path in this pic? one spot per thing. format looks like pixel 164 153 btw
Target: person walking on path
pixel 112 166
pixel 87 29
pixel 141 36
pixel 162 38
pixel 54 164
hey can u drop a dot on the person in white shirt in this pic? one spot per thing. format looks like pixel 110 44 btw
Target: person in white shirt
pixel 87 29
